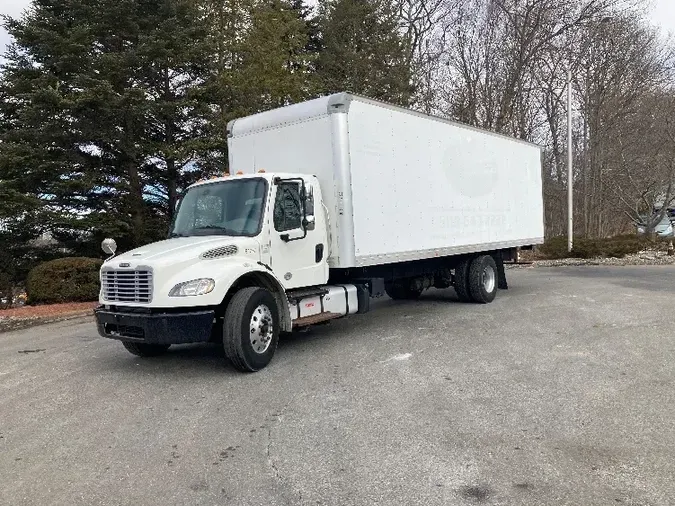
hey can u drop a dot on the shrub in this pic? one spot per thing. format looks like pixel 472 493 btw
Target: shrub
pixel 64 280
pixel 6 290
pixel 611 247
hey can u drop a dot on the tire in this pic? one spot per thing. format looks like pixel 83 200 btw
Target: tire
pixel 145 349
pixel 402 291
pixel 483 279
pixel 462 281
pixel 250 309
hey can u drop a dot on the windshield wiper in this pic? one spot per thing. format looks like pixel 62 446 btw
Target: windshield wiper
pixel 177 234
pixel 227 231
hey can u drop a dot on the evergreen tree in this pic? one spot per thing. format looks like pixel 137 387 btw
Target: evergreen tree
pixel 363 51
pixel 274 63
pixel 106 105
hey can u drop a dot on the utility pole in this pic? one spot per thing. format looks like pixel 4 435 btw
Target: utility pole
pixel 570 172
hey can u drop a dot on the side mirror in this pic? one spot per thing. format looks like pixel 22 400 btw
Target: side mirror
pixel 109 246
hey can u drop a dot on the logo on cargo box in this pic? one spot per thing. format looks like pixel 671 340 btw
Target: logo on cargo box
pixel 471 167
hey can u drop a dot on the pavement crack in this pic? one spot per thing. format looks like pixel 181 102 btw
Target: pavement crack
pixel 278 415
pixel 270 460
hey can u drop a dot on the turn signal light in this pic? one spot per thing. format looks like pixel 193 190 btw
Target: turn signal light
pixel 261 171
pixel 240 173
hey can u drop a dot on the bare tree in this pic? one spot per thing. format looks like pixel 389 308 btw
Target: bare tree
pixel 622 68
pixel 421 22
pixel 643 162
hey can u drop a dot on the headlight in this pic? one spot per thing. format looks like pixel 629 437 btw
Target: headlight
pixel 195 287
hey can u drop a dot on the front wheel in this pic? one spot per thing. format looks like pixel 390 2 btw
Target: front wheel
pixel 145 349
pixel 251 329
pixel 483 279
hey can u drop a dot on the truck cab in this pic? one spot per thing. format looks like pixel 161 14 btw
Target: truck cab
pixel 269 219
pixel 262 235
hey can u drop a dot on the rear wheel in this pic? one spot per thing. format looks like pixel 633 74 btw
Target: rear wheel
pixel 145 349
pixel 251 329
pixel 461 282
pixel 483 279
pixel 403 290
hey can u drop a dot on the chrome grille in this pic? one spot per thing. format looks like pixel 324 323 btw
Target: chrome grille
pixel 127 286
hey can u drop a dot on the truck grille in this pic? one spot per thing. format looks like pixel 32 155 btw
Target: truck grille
pixel 127 286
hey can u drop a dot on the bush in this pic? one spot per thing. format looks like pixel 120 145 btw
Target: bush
pixel 6 290
pixel 612 247
pixel 64 280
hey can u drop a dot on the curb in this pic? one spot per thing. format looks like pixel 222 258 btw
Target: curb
pixel 14 324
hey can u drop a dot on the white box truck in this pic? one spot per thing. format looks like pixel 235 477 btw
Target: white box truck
pixel 329 203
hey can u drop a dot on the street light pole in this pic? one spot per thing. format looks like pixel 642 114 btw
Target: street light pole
pixel 570 173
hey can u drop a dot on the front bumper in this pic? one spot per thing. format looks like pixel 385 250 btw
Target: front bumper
pixel 155 328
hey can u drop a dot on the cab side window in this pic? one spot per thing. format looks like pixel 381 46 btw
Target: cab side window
pixel 287 207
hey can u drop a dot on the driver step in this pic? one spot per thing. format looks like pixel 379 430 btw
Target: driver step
pixel 297 295
pixel 314 319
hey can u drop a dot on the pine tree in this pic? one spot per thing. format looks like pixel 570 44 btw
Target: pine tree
pixel 363 51
pixel 106 106
pixel 274 63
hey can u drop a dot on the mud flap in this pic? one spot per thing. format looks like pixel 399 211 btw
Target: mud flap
pixel 501 273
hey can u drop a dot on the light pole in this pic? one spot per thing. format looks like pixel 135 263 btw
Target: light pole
pixel 570 172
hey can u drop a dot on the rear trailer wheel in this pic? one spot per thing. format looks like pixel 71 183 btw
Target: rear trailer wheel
pixel 251 329
pixel 483 279
pixel 145 349
pixel 461 283
pixel 403 290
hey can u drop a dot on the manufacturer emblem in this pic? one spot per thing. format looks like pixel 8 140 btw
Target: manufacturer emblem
pixel 125 264
pixel 288 276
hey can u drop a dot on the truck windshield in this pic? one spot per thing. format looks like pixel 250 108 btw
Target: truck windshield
pixel 232 207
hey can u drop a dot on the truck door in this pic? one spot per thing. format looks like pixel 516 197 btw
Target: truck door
pixel 298 250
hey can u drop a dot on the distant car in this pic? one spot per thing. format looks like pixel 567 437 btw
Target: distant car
pixel 663 229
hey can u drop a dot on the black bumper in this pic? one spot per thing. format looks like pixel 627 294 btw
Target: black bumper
pixel 161 328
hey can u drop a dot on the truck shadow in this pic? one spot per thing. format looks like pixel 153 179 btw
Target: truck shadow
pixel 209 359
pixel 383 309
pixel 203 359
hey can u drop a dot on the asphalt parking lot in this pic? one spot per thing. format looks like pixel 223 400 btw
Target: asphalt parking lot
pixel 560 392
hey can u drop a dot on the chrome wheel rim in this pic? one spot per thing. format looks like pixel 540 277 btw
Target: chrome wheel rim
pixel 488 279
pixel 261 329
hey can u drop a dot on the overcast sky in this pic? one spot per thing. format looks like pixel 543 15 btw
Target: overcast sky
pixel 663 14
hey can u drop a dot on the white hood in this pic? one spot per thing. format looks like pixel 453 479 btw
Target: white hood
pixel 183 249
pixel 179 259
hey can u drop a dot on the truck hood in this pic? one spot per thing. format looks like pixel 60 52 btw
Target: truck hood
pixel 180 250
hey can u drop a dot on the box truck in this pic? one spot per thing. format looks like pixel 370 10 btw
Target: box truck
pixel 328 203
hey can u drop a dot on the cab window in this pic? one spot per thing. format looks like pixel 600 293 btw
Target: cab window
pixel 287 207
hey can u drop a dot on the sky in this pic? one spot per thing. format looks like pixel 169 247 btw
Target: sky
pixel 662 14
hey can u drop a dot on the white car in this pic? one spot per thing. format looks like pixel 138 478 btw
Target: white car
pixel 663 229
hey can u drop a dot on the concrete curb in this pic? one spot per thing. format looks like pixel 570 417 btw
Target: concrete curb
pixel 13 324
